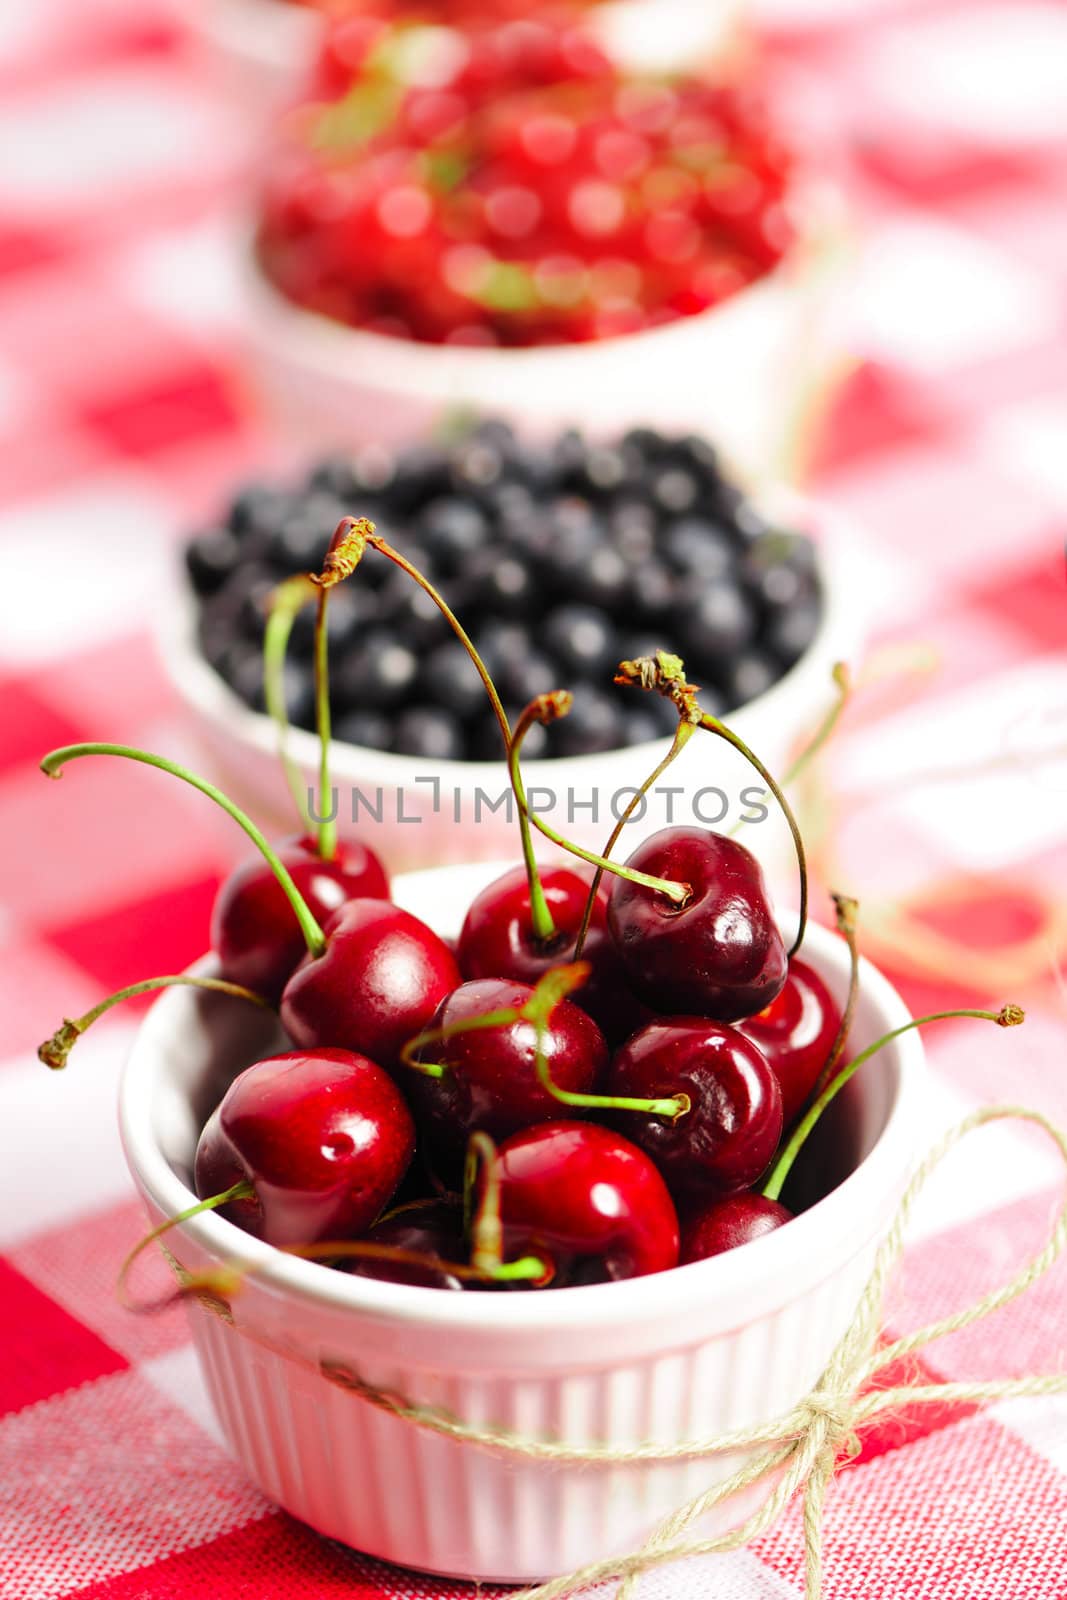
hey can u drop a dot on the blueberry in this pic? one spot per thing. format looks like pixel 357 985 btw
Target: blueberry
pixel 350 611
pixel 503 646
pixel 675 489
pixel 604 579
pixel 429 732
pixel 583 641
pixel 339 476
pixel 697 549
pixel 645 443
pixel 449 678
pixel 523 679
pixel 657 593
pixel 477 465
pixel 594 723
pixel 789 634
pixel 210 559
pixel 379 673
pixel 452 530
pixel 303 538
pixel 367 728
pixel 413 617
pixel 259 509
pixel 717 624
pixel 501 584
pixel 697 454
pixel 749 675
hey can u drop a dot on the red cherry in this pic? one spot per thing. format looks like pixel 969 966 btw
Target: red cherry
pixel 323 1137
pixel 724 1224
pixel 585 1201
pixel 796 1033
pixel 497 941
pixel 719 954
pixel 379 981
pixel 254 931
pixel 434 1230
pixel 490 1082
pixel 727 1138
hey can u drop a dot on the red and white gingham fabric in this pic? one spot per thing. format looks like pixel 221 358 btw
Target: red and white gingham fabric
pixel 120 422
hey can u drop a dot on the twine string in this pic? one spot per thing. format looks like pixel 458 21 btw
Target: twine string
pixel 803 1446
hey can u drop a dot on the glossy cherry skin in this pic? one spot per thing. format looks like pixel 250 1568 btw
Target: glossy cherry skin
pixel 585 1201
pixel 380 980
pixel 433 1230
pixel 718 955
pixel 721 1225
pixel 497 941
pixel 728 1136
pixel 253 930
pixel 796 1033
pixel 324 1136
pixel 491 1082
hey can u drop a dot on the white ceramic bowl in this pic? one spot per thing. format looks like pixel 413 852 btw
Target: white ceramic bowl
pixel 722 1344
pixel 265 49
pixel 417 813
pixel 753 373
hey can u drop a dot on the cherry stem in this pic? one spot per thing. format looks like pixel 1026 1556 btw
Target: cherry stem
pixel 483 1225
pixel 327 826
pixel 238 1191
pixel 846 910
pixel 54 762
pixel 552 988
pixel 713 725
pixel 682 734
pixel 544 928
pixel 546 708
pixel 437 1069
pixel 287 600
pixel 842 679
pixel 54 1051
pixel 1008 1016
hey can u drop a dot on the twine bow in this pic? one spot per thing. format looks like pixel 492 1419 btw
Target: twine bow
pixel 800 1449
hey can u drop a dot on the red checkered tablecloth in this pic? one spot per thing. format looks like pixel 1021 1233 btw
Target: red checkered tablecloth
pixel 942 802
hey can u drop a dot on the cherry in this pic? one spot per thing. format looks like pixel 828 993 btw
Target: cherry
pixel 796 1033
pixel 730 1133
pixel 432 1230
pixel 498 941
pixel 586 1202
pixel 379 980
pixel 254 931
pixel 721 1225
pixel 490 1080
pixel 323 1137
pixel 719 953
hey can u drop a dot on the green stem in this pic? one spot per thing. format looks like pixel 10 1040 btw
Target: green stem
pixel 437 1069
pixel 713 725
pixel 544 928
pixel 682 734
pixel 54 1051
pixel 288 599
pixel 327 828
pixel 843 684
pixel 52 766
pixel 1008 1016
pixel 676 892
pixel 239 1191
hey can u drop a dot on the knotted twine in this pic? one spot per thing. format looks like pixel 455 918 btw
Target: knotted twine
pixel 804 1444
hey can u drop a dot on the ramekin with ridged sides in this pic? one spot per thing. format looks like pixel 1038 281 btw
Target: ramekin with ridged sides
pixel 722 1344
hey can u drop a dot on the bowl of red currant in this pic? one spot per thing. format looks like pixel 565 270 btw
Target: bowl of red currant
pixel 501 215
pixel 562 558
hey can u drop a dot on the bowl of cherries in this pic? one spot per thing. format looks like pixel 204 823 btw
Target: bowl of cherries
pixel 500 214
pixel 562 557
pixel 579 1151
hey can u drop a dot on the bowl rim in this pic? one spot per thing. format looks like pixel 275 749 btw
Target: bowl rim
pixel 837 637
pixel 791 1260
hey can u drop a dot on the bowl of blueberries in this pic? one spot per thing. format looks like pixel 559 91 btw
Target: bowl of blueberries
pixel 562 558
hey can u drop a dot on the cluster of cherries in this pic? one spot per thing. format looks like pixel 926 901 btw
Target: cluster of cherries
pixel 502 182
pixel 596 1076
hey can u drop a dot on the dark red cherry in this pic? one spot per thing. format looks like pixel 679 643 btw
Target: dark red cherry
pixel 720 1225
pixel 253 929
pixel 587 1202
pixel 433 1230
pixel 719 954
pixel 378 983
pixel 324 1137
pixel 730 1133
pixel 498 941
pixel 796 1033
pixel 490 1082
